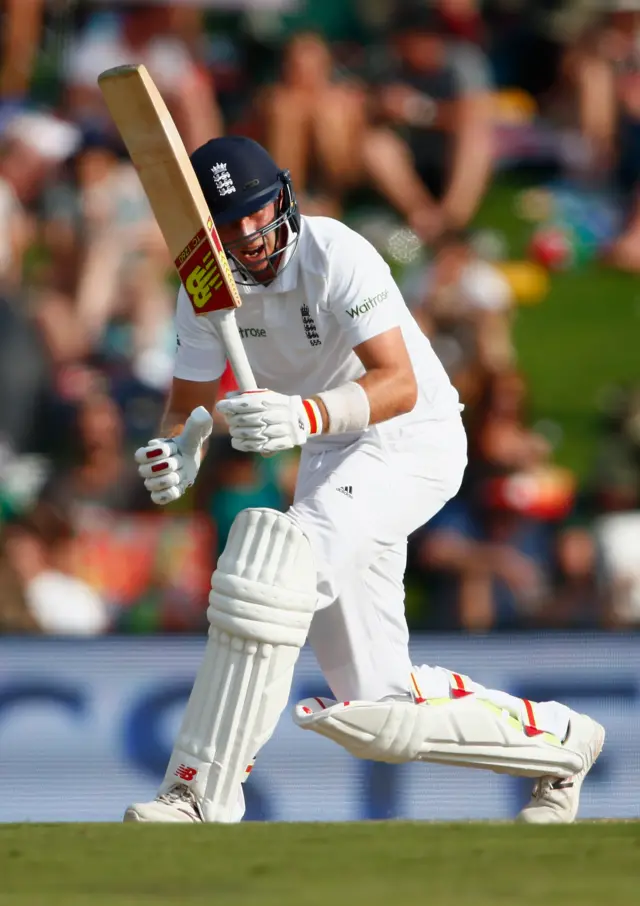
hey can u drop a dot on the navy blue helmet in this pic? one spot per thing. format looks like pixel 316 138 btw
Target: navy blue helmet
pixel 239 177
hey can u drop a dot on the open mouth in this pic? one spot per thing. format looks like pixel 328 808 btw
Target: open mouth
pixel 254 256
pixel 253 253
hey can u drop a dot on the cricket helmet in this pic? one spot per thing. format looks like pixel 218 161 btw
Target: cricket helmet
pixel 239 177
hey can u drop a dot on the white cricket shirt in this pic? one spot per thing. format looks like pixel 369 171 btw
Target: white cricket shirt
pixel 299 331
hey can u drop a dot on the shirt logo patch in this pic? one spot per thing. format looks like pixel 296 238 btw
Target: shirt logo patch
pixel 222 179
pixel 310 326
pixel 248 332
pixel 368 304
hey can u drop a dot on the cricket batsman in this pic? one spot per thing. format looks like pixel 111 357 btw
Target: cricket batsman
pixel 349 377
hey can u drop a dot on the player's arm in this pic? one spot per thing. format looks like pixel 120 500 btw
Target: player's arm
pixel 389 382
pixel 369 309
pixel 199 362
pixel 184 397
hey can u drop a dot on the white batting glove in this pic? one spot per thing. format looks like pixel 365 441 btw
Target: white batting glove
pixel 262 421
pixel 169 465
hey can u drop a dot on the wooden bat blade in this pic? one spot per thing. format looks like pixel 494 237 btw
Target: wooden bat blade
pixel 163 166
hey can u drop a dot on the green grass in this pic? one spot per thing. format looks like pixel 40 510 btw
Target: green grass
pixel 319 865
pixel 580 339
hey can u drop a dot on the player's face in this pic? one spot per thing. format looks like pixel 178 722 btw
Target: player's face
pixel 252 254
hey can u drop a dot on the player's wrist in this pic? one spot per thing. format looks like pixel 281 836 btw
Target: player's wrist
pixel 347 408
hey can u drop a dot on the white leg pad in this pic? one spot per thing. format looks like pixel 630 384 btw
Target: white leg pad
pixel 469 732
pixel 263 595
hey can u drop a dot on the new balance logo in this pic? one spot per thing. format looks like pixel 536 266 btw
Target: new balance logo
pixel 185 773
pixel 347 490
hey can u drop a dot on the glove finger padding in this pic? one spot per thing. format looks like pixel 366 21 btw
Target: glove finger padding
pixel 162 482
pixel 244 403
pixel 245 445
pixel 276 430
pixel 163 467
pixel 157 449
pixel 248 420
pixel 275 445
pixel 168 496
pixel 248 433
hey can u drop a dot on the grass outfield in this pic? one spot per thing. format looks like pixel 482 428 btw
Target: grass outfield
pixel 374 864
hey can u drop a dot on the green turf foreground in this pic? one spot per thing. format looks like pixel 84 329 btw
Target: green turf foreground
pixel 381 864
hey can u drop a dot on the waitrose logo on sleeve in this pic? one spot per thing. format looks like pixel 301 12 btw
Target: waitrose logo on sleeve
pixel 368 304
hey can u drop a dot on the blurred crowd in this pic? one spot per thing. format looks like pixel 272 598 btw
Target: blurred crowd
pixel 395 115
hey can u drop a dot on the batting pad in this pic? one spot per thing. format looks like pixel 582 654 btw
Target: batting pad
pixel 263 595
pixel 469 732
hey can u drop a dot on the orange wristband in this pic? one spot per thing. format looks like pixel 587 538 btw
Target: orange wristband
pixel 313 414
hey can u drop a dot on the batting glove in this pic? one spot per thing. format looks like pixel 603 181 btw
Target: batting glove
pixel 169 465
pixel 262 421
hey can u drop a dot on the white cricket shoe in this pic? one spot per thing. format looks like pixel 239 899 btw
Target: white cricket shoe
pixel 177 804
pixel 555 800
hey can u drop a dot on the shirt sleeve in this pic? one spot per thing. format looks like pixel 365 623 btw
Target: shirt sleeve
pixel 200 354
pixel 362 294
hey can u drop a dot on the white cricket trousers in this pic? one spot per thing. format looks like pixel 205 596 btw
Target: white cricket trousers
pixel 357 505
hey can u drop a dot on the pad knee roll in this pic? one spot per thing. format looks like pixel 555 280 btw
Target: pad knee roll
pixel 264 587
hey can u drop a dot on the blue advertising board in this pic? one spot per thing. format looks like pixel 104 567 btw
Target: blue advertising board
pixel 86 727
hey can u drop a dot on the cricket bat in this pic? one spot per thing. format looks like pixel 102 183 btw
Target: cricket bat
pixel 161 160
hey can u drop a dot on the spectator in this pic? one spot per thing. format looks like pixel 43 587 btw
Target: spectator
pixel 615 491
pixel 490 564
pixel 141 33
pixel 315 123
pixel 581 598
pixel 33 145
pixel 25 379
pixel 615 482
pixel 463 304
pixel 491 547
pixel 604 69
pixel 464 19
pixel 15 616
pixel 104 475
pixel 39 551
pixel 500 440
pixel 430 152
pixel 125 265
pixel 108 265
pixel 617 536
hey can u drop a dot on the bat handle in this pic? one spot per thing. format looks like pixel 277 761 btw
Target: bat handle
pixel 234 348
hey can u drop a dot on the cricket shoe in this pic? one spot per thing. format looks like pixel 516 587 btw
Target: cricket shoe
pixel 177 804
pixel 555 800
